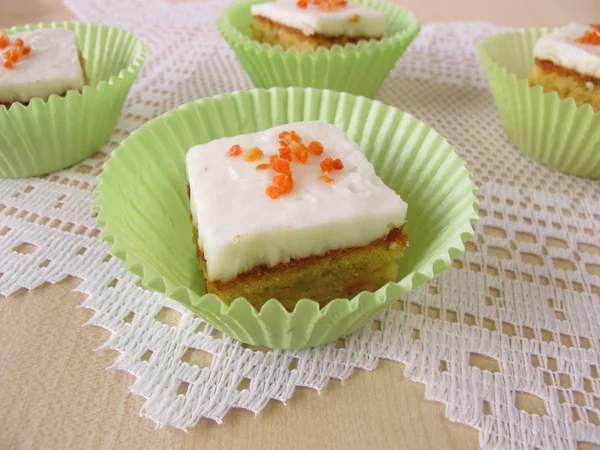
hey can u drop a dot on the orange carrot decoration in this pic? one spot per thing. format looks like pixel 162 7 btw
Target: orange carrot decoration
pixel 290 136
pixel 12 55
pixel 330 164
pixel 4 41
pixel 281 166
pixel 234 150
pixel 253 154
pixel 294 137
pixel 284 151
pixel 315 147
pixel 329 5
pixel 338 164
pixel 291 148
pixel 282 184
pixel 589 38
pixel 300 151
pixel 327 165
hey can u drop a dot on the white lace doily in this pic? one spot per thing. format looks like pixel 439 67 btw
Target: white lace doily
pixel 515 321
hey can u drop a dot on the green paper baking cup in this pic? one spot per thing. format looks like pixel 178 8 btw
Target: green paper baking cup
pixel 46 136
pixel 554 131
pixel 355 68
pixel 144 210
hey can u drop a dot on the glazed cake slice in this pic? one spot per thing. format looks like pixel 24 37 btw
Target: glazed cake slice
pixel 37 64
pixel 315 23
pixel 292 212
pixel 567 61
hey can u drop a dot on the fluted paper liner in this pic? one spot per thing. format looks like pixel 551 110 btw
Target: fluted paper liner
pixel 554 131
pixel 46 136
pixel 144 209
pixel 355 68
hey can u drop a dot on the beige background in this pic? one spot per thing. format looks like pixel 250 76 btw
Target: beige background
pixel 55 391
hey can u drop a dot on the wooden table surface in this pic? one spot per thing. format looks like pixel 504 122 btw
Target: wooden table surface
pixel 55 391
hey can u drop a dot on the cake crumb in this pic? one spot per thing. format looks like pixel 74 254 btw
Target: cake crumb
pixel 354 19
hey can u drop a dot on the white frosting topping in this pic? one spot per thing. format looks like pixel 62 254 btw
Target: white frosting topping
pixel 52 67
pixel 240 227
pixel 560 48
pixel 313 20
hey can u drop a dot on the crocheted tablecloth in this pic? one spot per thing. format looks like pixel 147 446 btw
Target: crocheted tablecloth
pixel 508 338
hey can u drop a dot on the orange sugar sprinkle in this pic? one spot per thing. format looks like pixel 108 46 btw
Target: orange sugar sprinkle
pixel 263 166
pixel 302 3
pixel 284 182
pixel 327 165
pixel 589 37
pixel 294 137
pixel 326 178
pixel 18 42
pixel 596 26
pixel 285 152
pixel 273 192
pixel 300 152
pixel 234 150
pixel 272 159
pixel 253 154
pixel 7 64
pixel 330 5
pixel 278 180
pixel 12 55
pixel 330 164
pixel 4 41
pixel 315 147
pixel 290 136
pixel 25 50
pixel 281 166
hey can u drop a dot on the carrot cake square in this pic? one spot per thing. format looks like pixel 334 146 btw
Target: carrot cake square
pixel 315 23
pixel 567 61
pixel 37 64
pixel 296 211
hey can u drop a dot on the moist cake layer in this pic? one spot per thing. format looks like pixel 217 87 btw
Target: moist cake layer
pixel 240 227
pixel 273 33
pixel 52 67
pixel 550 67
pixel 351 20
pixel 562 48
pixel 336 274
pixel 584 89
